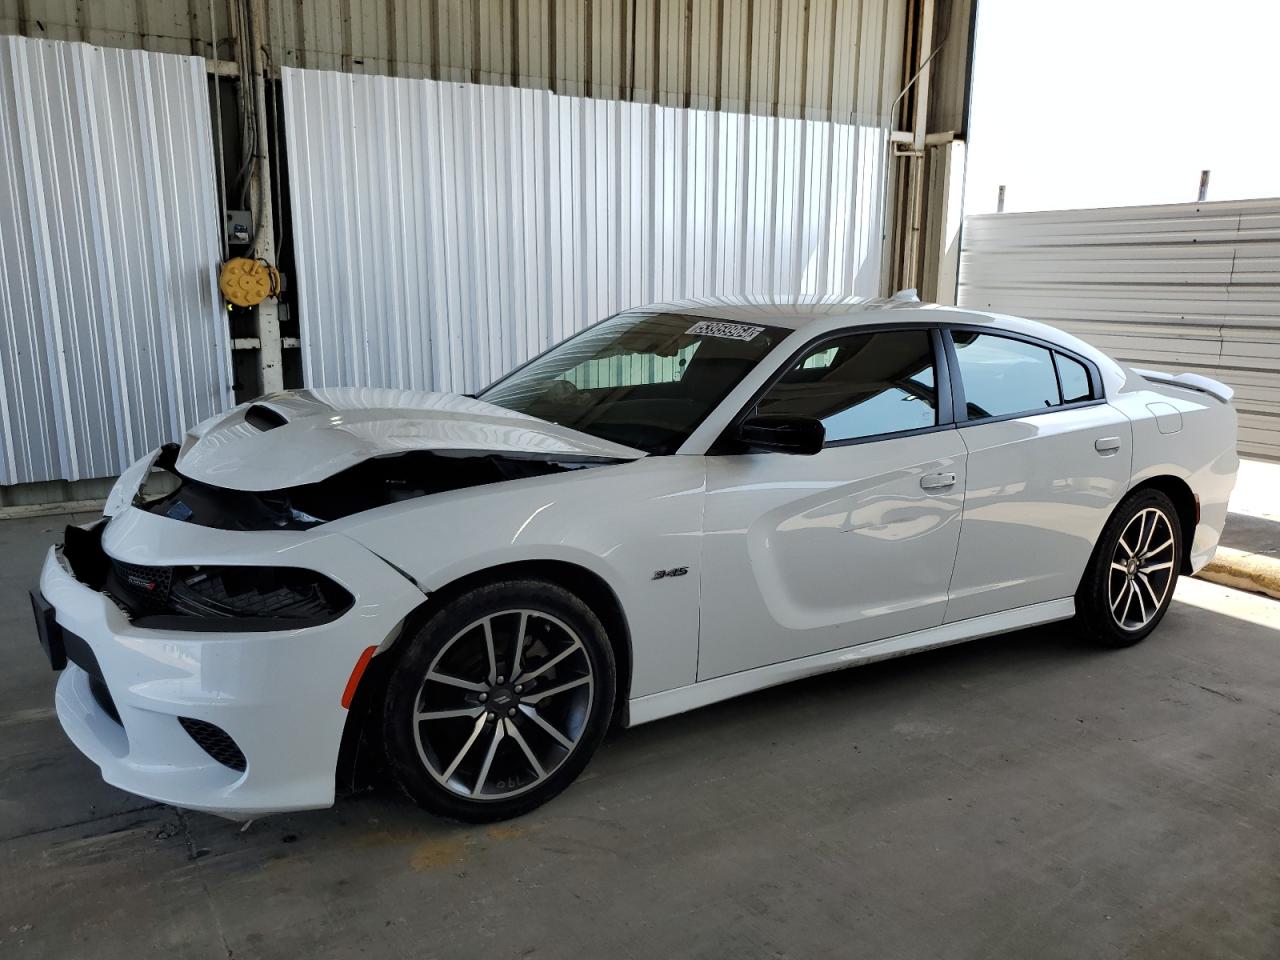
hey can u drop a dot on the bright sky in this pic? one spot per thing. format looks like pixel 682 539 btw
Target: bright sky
pixel 1100 103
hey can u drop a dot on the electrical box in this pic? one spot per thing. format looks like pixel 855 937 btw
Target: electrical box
pixel 239 226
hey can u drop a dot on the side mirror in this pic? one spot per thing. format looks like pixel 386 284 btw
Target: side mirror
pixel 783 434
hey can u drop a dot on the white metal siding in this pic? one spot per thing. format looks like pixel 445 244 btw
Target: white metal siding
pixel 445 232
pixel 792 58
pixel 1181 287
pixel 112 339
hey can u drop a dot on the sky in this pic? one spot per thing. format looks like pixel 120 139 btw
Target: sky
pixel 1102 103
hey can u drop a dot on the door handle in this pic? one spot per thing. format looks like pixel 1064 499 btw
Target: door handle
pixel 938 481
pixel 1107 445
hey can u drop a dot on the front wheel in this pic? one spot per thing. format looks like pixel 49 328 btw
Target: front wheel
pixel 499 701
pixel 1129 584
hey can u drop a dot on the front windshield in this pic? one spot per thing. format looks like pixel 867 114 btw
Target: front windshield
pixel 641 379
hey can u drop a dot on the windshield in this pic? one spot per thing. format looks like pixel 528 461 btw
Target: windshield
pixel 641 379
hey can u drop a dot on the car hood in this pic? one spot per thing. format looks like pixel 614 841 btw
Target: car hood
pixel 303 436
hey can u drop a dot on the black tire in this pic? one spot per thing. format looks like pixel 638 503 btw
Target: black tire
pixel 515 771
pixel 1118 608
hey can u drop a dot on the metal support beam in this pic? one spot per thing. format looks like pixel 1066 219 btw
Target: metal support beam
pixel 222 68
pixel 928 169
pixel 269 356
pixel 940 269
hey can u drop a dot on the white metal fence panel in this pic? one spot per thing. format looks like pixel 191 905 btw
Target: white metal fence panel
pixel 1181 287
pixel 446 232
pixel 112 338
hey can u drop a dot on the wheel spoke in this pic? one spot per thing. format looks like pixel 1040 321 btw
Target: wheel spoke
pixel 1124 544
pixel 515 734
pixel 444 678
pixel 516 657
pixel 1160 549
pixel 533 675
pixel 1151 532
pixel 475 733
pixel 1142 606
pixel 551 731
pixel 1124 592
pixel 1155 601
pixel 543 694
pixel 488 760
pixel 1120 567
pixel 447 714
pixel 1128 602
pixel 1153 567
pixel 488 647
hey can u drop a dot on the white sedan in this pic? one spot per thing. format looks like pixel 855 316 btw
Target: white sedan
pixel 683 503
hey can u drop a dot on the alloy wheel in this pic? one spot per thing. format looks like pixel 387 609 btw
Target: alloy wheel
pixel 503 704
pixel 1142 569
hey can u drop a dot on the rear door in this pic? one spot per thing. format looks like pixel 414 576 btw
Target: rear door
pixel 805 554
pixel 1048 460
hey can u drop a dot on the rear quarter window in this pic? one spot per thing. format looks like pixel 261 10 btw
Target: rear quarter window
pixel 1074 378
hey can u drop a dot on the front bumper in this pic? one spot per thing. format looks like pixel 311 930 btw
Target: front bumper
pixel 276 694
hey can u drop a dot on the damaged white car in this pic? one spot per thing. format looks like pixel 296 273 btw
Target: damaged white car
pixel 683 503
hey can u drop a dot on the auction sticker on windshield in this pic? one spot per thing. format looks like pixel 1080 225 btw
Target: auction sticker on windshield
pixel 724 330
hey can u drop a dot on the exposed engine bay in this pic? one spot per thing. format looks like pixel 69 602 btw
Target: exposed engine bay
pixel 372 483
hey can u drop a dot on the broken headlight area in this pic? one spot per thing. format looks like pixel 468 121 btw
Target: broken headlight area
pixel 196 598
pixel 365 486
pixel 225 598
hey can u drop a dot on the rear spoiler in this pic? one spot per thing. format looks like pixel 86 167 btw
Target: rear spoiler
pixel 1189 381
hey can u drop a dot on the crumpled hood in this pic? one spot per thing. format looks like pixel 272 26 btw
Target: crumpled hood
pixel 303 436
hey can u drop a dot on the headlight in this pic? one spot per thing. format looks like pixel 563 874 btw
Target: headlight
pixel 226 598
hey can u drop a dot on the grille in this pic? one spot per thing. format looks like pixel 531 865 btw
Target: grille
pixel 214 741
pixel 147 588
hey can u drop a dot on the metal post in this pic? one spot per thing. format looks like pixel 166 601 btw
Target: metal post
pixel 921 106
pixel 940 273
pixel 269 355
pixel 1000 200
pixel 1204 185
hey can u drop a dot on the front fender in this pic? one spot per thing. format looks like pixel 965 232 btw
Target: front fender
pixel 622 523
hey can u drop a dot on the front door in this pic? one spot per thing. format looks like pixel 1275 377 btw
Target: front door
pixel 806 554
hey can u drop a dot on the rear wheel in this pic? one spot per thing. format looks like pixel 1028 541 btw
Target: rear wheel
pixel 499 701
pixel 1130 581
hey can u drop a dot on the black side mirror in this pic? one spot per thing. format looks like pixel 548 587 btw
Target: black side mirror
pixel 783 434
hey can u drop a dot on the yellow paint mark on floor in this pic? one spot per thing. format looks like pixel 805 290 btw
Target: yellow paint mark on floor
pixel 438 852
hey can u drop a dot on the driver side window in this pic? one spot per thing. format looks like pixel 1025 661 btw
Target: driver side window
pixel 861 385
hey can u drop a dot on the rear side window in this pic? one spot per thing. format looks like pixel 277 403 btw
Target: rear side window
pixel 1074 379
pixel 861 385
pixel 1003 376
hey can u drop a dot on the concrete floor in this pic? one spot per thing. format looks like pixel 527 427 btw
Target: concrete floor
pixel 1025 796
pixel 1253 525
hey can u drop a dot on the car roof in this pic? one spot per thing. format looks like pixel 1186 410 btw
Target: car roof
pixel 819 314
pixel 790 313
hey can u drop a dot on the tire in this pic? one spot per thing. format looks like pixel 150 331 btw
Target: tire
pixel 1133 571
pixel 467 740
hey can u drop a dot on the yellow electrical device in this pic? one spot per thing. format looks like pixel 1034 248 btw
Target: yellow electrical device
pixel 246 283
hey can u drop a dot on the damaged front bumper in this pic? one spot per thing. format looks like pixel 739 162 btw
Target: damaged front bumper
pixel 234 722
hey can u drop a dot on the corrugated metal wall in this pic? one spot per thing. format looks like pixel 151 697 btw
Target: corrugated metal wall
pixel 112 338
pixel 791 58
pixel 446 232
pixel 1183 287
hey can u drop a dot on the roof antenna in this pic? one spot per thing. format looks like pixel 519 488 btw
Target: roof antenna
pixel 907 295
